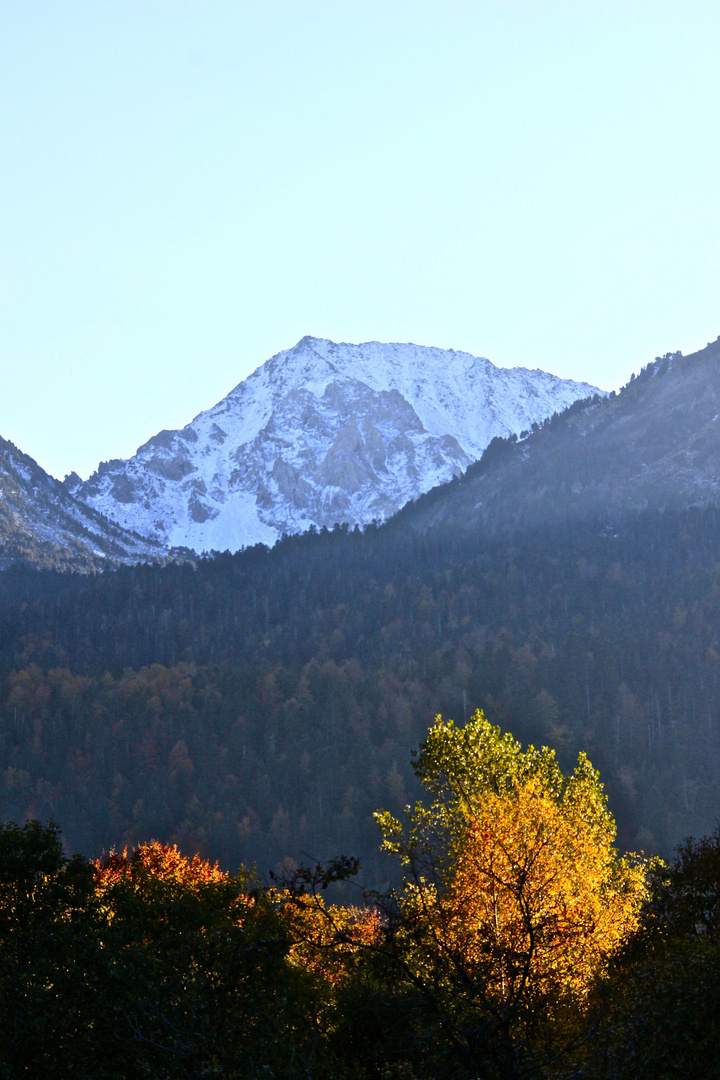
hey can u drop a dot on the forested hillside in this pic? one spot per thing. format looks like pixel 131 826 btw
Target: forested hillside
pixel 262 705
pixel 653 446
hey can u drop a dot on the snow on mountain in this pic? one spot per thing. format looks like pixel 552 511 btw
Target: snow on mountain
pixel 42 525
pixel 319 434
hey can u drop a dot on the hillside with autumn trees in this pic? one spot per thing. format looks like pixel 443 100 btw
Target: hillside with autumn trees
pixel 517 942
pixel 260 706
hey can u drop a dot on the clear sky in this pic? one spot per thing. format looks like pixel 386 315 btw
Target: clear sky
pixel 186 188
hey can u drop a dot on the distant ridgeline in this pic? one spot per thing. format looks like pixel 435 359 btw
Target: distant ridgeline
pixel 42 525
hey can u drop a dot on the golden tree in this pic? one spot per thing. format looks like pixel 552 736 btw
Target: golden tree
pixel 514 896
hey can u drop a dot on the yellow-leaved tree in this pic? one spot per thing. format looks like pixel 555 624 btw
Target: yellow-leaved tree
pixel 514 899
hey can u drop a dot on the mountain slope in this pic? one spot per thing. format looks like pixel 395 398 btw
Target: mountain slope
pixel 653 446
pixel 319 434
pixel 42 525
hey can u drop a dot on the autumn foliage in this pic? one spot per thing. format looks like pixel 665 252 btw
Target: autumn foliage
pixel 521 943
pixel 537 900
pixel 514 896
pixel 163 862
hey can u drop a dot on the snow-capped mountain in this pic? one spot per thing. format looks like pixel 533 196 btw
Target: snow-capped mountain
pixel 42 525
pixel 319 434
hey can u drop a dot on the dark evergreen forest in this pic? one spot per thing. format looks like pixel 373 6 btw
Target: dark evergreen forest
pixel 258 707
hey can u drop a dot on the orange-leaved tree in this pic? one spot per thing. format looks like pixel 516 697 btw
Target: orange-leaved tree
pixel 328 940
pixel 159 862
pixel 203 980
pixel 514 898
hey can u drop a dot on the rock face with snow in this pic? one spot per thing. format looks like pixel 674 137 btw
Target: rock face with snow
pixel 319 434
pixel 42 525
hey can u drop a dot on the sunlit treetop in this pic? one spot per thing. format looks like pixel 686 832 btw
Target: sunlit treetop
pixel 510 879
pixel 163 862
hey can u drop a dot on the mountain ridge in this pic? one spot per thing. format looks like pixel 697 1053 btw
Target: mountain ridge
pixel 43 525
pixel 654 445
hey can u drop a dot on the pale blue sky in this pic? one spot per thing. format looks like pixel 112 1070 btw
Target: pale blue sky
pixel 187 188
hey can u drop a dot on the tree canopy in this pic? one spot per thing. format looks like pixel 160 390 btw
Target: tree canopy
pixel 514 896
pixel 520 943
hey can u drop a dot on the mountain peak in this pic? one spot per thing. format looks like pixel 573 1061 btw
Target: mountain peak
pixel 321 433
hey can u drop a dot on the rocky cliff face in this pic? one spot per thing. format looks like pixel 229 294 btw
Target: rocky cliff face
pixel 319 434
